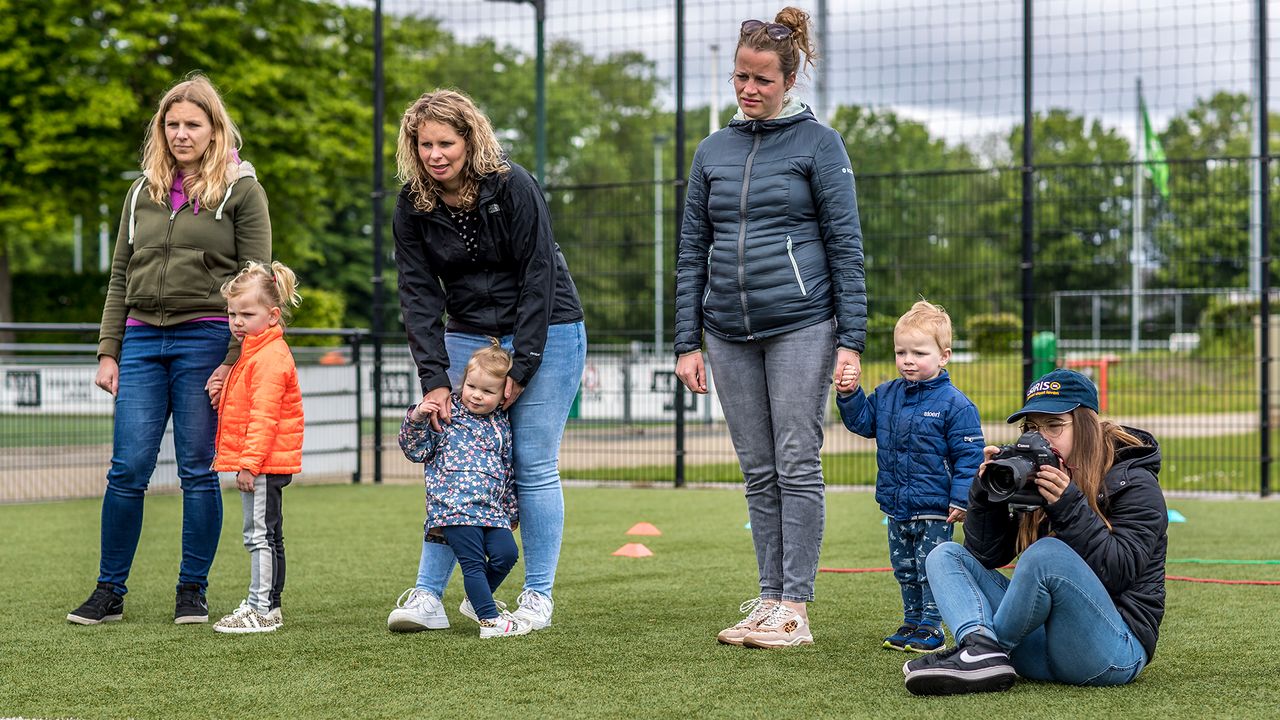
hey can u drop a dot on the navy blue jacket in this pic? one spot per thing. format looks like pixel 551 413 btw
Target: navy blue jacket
pixel 1129 558
pixel 928 444
pixel 771 240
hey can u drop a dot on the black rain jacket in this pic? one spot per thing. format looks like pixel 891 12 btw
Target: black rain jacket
pixel 514 282
pixel 1129 558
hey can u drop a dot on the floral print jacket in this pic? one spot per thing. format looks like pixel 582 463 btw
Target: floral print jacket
pixel 468 467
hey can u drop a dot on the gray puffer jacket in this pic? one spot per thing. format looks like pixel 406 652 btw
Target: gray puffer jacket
pixel 771 241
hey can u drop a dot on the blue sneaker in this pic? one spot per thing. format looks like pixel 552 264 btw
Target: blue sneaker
pixel 926 639
pixel 898 640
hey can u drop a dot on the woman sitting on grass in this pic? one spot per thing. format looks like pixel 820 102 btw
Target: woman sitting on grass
pixel 1085 601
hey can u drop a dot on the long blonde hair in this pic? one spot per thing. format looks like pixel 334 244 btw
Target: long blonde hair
pixel 787 49
pixel 218 167
pixel 276 285
pixel 1093 452
pixel 483 156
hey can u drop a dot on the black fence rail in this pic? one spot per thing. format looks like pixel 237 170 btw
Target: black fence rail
pixel 56 425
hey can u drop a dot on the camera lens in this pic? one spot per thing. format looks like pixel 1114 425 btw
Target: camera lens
pixel 1002 478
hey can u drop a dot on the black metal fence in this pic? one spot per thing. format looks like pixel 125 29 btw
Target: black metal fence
pixel 1188 370
pixel 1003 171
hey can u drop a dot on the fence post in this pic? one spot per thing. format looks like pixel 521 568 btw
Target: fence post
pixel 358 364
pixel 1264 250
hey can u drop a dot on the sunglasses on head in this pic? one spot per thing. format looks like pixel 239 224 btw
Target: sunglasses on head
pixel 775 31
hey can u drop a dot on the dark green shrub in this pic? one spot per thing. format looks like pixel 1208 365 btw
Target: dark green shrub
pixel 993 333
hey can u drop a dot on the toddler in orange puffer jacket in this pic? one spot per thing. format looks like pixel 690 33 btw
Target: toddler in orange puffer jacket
pixel 260 432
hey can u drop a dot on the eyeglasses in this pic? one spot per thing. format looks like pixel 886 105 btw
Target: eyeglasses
pixel 775 31
pixel 1049 430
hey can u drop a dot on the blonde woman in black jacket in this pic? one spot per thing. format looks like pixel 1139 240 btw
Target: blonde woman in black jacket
pixel 474 243
pixel 1084 604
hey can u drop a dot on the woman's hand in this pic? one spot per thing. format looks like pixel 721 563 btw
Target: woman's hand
pixel 444 413
pixel 108 377
pixel 848 370
pixel 692 372
pixel 423 410
pixel 214 384
pixel 511 393
pixel 1053 482
pixel 988 452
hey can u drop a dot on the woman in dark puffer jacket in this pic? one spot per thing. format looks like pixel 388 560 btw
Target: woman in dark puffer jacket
pixel 769 276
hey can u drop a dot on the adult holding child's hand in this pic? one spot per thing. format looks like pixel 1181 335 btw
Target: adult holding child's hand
pixel 769 277
pixel 474 242
pixel 188 225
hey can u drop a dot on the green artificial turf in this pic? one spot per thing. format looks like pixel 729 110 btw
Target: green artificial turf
pixel 632 638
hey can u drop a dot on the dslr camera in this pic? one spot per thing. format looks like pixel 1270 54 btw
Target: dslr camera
pixel 1010 476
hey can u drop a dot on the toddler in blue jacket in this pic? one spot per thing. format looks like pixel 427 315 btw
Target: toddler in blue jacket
pixel 928 449
pixel 471 492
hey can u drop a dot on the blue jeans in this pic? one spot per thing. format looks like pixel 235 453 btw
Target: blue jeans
pixel 537 424
pixel 774 394
pixel 910 542
pixel 163 372
pixel 1054 616
pixel 486 555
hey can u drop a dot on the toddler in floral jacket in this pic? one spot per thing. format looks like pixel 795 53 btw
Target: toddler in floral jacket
pixel 471 492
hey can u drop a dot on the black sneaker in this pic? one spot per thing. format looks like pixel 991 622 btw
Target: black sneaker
pixel 104 605
pixel 976 664
pixel 190 606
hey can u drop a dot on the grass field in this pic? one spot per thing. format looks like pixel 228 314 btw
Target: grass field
pixel 633 638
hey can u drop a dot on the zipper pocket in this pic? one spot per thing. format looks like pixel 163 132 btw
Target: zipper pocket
pixel 707 294
pixel 796 268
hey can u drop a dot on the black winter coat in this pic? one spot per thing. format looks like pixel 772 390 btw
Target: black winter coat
pixel 512 280
pixel 1129 558
pixel 770 241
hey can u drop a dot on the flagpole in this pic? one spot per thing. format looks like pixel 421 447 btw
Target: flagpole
pixel 1139 222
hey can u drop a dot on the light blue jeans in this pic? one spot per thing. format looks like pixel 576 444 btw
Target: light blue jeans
pixel 163 371
pixel 774 393
pixel 1054 616
pixel 537 424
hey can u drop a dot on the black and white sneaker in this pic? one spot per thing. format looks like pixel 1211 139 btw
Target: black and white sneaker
pixel 104 605
pixel 190 606
pixel 976 664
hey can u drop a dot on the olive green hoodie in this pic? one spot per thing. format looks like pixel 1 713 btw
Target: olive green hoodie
pixel 170 264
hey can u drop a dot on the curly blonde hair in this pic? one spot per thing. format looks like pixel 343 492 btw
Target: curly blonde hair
pixel 218 167
pixel 483 151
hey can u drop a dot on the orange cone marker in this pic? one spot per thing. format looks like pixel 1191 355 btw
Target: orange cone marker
pixel 636 550
pixel 643 528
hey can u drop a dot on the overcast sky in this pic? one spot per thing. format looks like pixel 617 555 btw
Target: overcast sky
pixel 955 65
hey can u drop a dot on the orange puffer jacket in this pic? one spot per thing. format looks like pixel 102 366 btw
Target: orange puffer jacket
pixel 260 411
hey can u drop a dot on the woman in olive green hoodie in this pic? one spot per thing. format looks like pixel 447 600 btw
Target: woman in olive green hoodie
pixel 190 222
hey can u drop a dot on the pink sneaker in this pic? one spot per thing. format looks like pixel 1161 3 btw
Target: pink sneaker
pixel 783 628
pixel 757 609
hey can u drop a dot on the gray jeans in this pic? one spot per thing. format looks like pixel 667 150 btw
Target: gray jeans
pixel 774 394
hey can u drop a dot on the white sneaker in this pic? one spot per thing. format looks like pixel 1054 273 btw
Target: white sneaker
pixel 535 609
pixel 505 625
pixel 246 619
pixel 276 615
pixel 417 610
pixel 466 608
